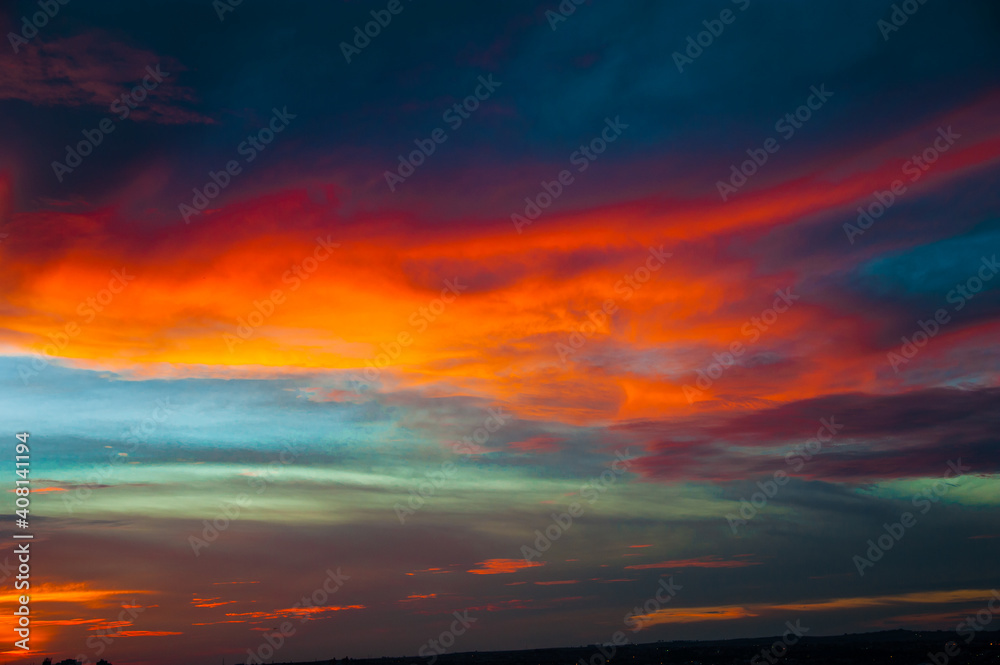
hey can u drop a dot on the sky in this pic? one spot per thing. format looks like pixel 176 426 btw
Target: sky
pixel 394 328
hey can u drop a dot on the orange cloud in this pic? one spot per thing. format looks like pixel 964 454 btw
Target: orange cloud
pixel 693 615
pixel 715 613
pixel 919 597
pixel 76 594
pixel 298 612
pixel 306 611
pixel 107 625
pixel 70 593
pixel 193 284
pixel 503 566
pixel 700 562
pixel 213 623
pixel 65 622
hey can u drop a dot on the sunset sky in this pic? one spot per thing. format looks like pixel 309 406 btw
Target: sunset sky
pixel 705 291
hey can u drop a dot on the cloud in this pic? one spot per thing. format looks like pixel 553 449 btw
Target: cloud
pixel 700 562
pixel 503 566
pixel 693 615
pixel 907 435
pixel 716 613
pixel 92 70
pixel 537 444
